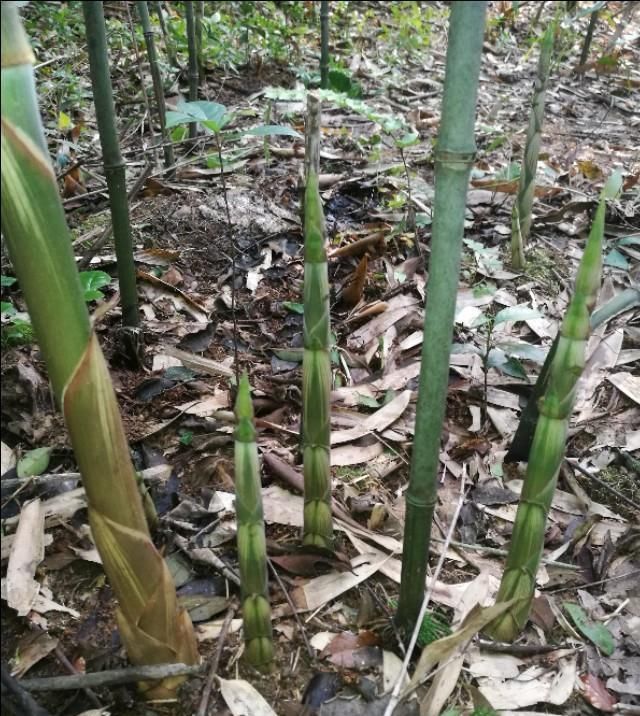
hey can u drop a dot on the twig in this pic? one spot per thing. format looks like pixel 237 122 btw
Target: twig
pixel 503 553
pixel 111 677
pixel 104 237
pixel 395 694
pixel 294 611
pixel 71 669
pixel 206 692
pixel 15 698
pixel 602 483
pixel 293 477
pixel 520 649
pixel 632 573
pixel 157 473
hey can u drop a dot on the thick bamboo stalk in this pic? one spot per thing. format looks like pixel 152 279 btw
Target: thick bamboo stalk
pixel 549 442
pixel 324 44
pixel 316 364
pixel 521 215
pixel 521 443
pixel 454 157
pixel 252 546
pixel 193 60
pixel 114 169
pixel 152 627
pixel 158 89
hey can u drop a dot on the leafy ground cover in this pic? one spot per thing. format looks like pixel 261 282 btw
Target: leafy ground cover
pixel 220 275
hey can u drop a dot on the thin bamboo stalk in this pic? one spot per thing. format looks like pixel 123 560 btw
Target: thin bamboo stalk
pixel 454 157
pixel 521 215
pixel 158 89
pixel 521 443
pixel 168 42
pixel 114 169
pixel 549 442
pixel 199 17
pixel 316 364
pixel 324 44
pixel 252 546
pixel 193 61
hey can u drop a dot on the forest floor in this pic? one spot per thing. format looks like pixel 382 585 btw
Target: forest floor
pixel 339 654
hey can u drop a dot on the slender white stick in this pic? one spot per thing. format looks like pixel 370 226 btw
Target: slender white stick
pixel 395 694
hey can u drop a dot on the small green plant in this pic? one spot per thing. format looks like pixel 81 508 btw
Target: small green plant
pixel 92 282
pixel 434 626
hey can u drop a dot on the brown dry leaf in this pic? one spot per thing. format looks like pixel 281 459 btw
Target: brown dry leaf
pixel 360 246
pixel 511 187
pixel 154 187
pixel 33 647
pixel 354 287
pixel 27 551
pixel 72 185
pixel 376 422
pixel 308 564
pixel 349 641
pixel 192 307
pixel 596 693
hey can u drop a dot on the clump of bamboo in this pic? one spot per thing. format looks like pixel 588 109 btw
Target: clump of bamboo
pixel 156 77
pixel 316 365
pixel 548 448
pixel 154 630
pixel 252 548
pixel 521 215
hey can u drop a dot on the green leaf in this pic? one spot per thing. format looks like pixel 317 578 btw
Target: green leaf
pixel 292 355
pixel 525 351
pixel 423 219
pixel 521 312
pixel 596 632
pixel 186 437
pixel 633 240
pixel 408 140
pixel 613 186
pixel 212 115
pixel 366 400
pixel 514 368
pixel 294 307
pixel 617 260
pixel 34 462
pixel 92 282
pixel 179 373
pixel 7 308
pixel 264 130
pixel 6 281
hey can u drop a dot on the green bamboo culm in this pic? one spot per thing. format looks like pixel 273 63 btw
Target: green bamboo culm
pixel 549 442
pixel 156 77
pixel 252 547
pixel 194 75
pixel 114 167
pixel 521 214
pixel 152 627
pixel 520 447
pixel 199 22
pixel 454 157
pixel 168 42
pixel 324 44
pixel 316 364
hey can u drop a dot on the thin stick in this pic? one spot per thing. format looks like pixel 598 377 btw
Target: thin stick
pixel 110 677
pixel 104 237
pixel 395 694
pixel 206 692
pixel 602 483
pixel 294 611
pixel 71 669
